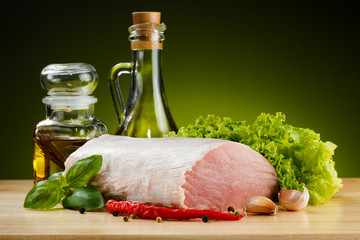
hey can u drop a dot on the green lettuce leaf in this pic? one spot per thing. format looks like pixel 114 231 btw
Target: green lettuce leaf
pixel 298 155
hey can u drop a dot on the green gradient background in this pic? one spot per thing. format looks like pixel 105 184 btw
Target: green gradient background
pixel 230 60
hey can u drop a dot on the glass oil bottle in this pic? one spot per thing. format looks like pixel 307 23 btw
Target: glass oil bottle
pixel 146 113
pixel 70 120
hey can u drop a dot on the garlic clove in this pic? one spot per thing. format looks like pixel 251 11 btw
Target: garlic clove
pixel 293 199
pixel 260 204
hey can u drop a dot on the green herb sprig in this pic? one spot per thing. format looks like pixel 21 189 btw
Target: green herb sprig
pixel 71 189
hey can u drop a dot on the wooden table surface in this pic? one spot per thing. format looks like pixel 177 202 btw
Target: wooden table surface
pixel 339 218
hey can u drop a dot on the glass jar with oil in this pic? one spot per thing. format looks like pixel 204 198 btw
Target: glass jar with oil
pixel 70 120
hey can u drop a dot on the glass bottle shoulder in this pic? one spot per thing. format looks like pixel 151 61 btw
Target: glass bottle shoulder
pixel 72 128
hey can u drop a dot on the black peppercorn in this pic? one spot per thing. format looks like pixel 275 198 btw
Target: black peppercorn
pixel 205 218
pixel 82 210
pixel 115 213
pixel 231 209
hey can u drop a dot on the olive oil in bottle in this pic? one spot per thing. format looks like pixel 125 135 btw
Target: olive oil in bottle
pixel 50 157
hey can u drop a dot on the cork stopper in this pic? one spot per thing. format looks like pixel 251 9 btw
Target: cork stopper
pixel 146 17
pixel 145 37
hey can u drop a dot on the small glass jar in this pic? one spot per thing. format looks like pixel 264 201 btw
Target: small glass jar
pixel 70 120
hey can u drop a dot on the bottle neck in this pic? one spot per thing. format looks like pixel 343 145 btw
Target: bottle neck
pixel 69 113
pixel 147 35
pixel 147 71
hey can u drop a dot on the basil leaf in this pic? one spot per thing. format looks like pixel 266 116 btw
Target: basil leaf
pixel 87 197
pixel 62 181
pixel 82 170
pixel 63 184
pixel 55 176
pixel 45 194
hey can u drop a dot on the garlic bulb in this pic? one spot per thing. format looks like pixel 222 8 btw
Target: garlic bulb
pixel 293 199
pixel 260 205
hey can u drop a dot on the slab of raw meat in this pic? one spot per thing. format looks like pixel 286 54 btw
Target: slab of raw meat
pixel 179 172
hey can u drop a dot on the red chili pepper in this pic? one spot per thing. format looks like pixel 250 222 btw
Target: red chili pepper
pixel 152 212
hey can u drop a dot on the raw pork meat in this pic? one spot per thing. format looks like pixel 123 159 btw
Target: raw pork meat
pixel 179 172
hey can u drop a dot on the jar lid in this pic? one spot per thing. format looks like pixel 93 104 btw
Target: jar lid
pixel 69 102
pixel 69 79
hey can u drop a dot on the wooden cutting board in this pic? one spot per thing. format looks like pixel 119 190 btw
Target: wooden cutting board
pixel 339 218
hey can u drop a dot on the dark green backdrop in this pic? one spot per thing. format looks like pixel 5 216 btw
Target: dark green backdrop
pixel 239 60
